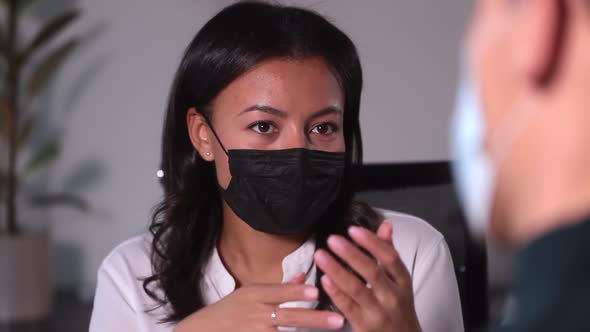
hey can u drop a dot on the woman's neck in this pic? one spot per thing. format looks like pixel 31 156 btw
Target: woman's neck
pixel 252 256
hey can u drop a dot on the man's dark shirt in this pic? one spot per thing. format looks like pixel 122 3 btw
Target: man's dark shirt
pixel 552 283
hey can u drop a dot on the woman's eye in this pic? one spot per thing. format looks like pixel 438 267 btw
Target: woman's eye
pixel 324 129
pixel 263 127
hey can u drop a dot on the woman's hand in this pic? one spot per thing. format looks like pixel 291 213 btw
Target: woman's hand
pixel 251 308
pixel 386 302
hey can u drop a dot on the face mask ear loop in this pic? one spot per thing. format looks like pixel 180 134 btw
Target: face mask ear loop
pixel 215 134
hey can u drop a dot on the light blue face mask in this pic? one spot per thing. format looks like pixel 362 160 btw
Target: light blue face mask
pixel 473 169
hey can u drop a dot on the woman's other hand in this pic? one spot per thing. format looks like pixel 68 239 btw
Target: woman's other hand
pixel 251 308
pixel 385 302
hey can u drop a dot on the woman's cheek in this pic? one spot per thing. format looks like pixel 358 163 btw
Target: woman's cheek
pixel 222 170
pixel 334 144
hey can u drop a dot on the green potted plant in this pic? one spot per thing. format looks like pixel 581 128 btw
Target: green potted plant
pixel 26 66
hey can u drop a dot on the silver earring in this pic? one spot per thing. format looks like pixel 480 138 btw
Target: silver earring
pixel 208 154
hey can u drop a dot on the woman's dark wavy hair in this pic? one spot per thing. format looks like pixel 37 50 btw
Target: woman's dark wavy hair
pixel 187 223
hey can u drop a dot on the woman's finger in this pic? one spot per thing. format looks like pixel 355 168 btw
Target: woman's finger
pixel 308 318
pixel 280 293
pixel 384 251
pixel 348 283
pixel 297 279
pixel 364 265
pixel 385 231
pixel 347 306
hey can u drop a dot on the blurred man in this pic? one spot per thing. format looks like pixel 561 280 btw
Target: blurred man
pixel 522 146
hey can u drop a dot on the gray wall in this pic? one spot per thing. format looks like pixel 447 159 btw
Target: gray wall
pixel 409 51
pixel 108 102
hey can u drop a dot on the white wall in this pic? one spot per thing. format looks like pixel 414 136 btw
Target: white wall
pixel 109 103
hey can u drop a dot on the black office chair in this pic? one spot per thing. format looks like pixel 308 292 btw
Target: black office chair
pixel 425 190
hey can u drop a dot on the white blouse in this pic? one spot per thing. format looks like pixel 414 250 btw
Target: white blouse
pixel 121 305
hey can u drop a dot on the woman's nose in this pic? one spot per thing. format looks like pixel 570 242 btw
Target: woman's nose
pixel 295 138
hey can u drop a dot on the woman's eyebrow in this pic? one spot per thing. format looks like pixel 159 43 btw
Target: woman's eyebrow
pixel 265 109
pixel 327 111
pixel 282 114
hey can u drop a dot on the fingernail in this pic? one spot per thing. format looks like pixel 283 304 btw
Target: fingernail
pixel 335 321
pixel 311 293
pixel 298 275
pixel 389 226
pixel 355 231
pixel 385 231
pixel 336 242
pixel 320 257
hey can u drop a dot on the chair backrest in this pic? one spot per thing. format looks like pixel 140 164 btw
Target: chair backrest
pixel 426 191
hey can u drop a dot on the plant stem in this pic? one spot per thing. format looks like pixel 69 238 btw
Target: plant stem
pixel 12 108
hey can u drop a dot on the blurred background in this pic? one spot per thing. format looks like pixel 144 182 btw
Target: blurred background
pixel 102 108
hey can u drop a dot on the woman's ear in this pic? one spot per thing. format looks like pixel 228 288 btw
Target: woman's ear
pixel 200 134
pixel 537 42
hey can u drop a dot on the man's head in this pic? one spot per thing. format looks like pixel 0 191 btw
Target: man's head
pixel 531 63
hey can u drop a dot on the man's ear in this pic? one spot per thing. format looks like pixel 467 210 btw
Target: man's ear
pixel 199 134
pixel 538 38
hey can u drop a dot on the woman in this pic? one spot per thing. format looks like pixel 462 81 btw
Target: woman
pixel 257 229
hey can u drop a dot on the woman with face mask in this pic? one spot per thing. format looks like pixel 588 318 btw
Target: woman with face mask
pixel 257 230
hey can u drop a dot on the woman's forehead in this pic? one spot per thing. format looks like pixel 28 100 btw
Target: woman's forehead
pixel 285 84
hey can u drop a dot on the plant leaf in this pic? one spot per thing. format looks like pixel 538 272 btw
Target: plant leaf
pixel 24 4
pixel 45 155
pixel 45 70
pixel 24 131
pixel 85 175
pixel 64 199
pixel 48 32
pixel 21 4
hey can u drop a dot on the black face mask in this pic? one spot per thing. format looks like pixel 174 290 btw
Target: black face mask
pixel 282 192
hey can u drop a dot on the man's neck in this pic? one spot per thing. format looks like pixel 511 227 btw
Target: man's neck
pixel 555 188
pixel 550 211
